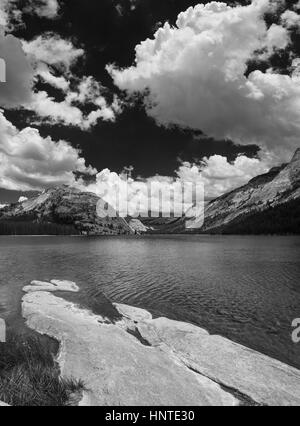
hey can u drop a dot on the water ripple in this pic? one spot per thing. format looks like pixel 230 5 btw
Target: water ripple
pixel 245 288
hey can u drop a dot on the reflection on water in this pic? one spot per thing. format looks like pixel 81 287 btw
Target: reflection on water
pixel 245 288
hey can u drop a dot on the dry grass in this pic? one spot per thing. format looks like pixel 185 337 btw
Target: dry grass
pixel 29 375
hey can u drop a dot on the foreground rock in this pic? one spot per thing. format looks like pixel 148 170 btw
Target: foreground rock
pixel 144 361
pixel 54 285
pixel 247 373
pixel 115 366
pixel 2 404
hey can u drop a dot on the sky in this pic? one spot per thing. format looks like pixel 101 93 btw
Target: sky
pixel 171 90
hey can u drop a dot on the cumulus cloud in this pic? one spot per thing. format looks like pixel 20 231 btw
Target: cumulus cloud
pixel 290 19
pixel 137 197
pixel 43 8
pixel 12 11
pixel 45 56
pixel 27 160
pixel 194 75
pixel 296 67
pixel 3 13
pixel 213 176
pixel 11 14
pixel 53 58
pixel 49 48
pixel 48 76
pixel 220 176
pixel 67 113
pixel 30 162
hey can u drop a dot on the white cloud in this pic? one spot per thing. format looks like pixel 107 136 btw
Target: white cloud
pixel 11 15
pixel 3 13
pixel 277 37
pixel 22 199
pixel 193 75
pixel 132 197
pixel 290 19
pixel 44 8
pixel 88 90
pixel 29 161
pixel 65 112
pixel 50 58
pixel 55 112
pixel 297 6
pixel 296 67
pixel 220 176
pixel 53 58
pixel 51 49
pixel 48 76
pixel 215 174
pixel 11 11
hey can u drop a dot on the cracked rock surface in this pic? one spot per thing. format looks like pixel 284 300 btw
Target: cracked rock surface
pixel 143 361
pixel 253 377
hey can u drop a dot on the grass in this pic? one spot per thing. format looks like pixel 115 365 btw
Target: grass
pixel 29 375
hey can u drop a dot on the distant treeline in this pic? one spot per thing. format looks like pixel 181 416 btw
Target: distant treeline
pixel 284 219
pixel 164 225
pixel 9 227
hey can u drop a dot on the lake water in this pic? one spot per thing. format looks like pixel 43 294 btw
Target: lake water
pixel 244 288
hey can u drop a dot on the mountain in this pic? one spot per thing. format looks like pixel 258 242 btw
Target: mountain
pixel 62 210
pixel 269 203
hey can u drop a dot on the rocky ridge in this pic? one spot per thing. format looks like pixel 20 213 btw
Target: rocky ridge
pixel 279 188
pixel 66 206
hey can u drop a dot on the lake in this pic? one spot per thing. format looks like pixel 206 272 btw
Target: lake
pixel 244 288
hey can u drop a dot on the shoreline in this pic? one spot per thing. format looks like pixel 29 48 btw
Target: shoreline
pixel 137 236
pixel 138 360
